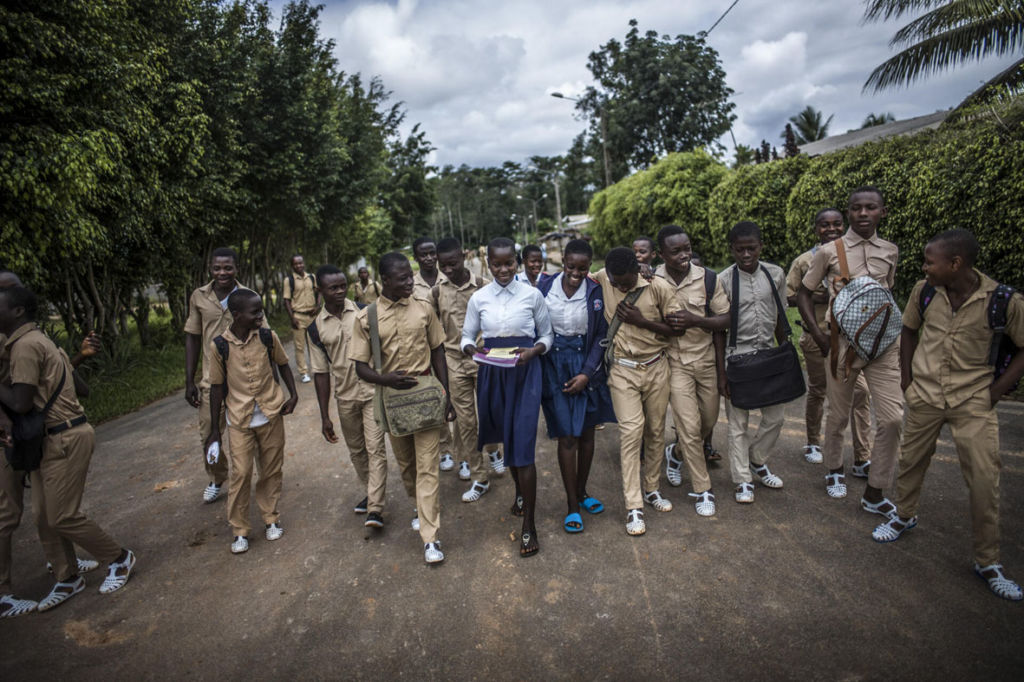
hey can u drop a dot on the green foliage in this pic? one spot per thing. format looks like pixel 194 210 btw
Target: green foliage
pixel 757 193
pixel 673 191
pixel 809 125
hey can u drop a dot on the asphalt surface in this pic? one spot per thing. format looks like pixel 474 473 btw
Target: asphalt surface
pixel 789 587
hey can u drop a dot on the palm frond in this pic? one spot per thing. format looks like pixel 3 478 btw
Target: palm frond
pixel 882 10
pixel 962 14
pixel 1007 83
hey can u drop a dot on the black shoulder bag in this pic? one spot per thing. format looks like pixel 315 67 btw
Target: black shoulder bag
pixel 29 432
pixel 762 378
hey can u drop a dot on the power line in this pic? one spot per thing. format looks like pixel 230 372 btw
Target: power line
pixel 721 17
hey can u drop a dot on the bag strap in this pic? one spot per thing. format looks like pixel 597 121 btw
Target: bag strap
pixel 778 304
pixel 222 350
pixel 734 307
pixel 999 301
pixel 314 338
pixel 371 317
pixel 710 278
pixel 613 328
pixel 844 265
pixel 60 387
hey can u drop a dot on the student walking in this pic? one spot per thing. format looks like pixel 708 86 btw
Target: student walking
pixel 365 290
pixel 302 302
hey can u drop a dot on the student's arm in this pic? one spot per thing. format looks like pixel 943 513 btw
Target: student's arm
pixel 439 365
pixel 908 344
pixel 630 314
pixel 17 397
pixel 1014 371
pixel 216 404
pixel 90 346
pixel 81 388
pixel 592 363
pixel 392 379
pixel 718 339
pixel 471 328
pixel 286 294
pixel 193 342
pixel 545 333
pixel 322 383
pixel 289 382
pixel 805 304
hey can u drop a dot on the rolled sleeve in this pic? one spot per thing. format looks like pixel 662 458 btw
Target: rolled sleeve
pixel 912 313
pixel 216 365
pixel 471 327
pixel 360 350
pixel 818 270
pixel 194 321
pixel 280 357
pixel 542 320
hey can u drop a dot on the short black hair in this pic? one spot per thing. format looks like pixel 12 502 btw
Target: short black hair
pixel 867 189
pixel 579 246
pixel 224 252
pixel 645 238
pixel 827 209
pixel 298 255
pixel 531 248
pixel 22 297
pixel 14 275
pixel 389 261
pixel 238 297
pixel 449 244
pixel 420 241
pixel 500 243
pixel 744 229
pixel 363 267
pixel 621 261
pixel 958 242
pixel 666 232
pixel 327 271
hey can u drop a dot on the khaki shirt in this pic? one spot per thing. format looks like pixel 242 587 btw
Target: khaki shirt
pixel 36 361
pixel 691 295
pixel 336 335
pixel 632 342
pixel 421 288
pixel 797 271
pixel 758 311
pixel 369 294
pixel 408 328
pixel 208 319
pixel 875 258
pixel 450 302
pixel 303 298
pixel 250 378
pixel 950 364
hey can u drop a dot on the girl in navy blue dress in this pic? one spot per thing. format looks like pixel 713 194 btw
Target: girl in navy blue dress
pixel 575 396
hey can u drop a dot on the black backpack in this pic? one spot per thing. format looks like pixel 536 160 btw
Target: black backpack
pixel 314 337
pixel 710 277
pixel 266 337
pixel 1002 348
pixel 291 282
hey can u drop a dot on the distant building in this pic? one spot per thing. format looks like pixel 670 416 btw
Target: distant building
pixel 909 126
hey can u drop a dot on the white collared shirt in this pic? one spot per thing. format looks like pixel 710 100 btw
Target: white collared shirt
pixel 514 310
pixel 568 315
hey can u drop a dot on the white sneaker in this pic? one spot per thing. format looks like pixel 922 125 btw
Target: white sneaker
pixel 497 462
pixel 745 493
pixel 464 473
pixel 767 478
pixel 812 453
pixel 673 466
pixel 447 463
pixel 212 492
pixel 240 544
pixel 476 491
pixel 432 553
pixel 306 379
pixel 416 523
pixel 705 504
pixel 635 522
pixel 657 501
pixel 274 531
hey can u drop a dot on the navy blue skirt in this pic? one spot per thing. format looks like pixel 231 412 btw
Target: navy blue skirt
pixel 508 404
pixel 571 415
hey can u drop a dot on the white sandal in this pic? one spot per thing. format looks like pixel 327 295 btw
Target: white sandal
pixel 12 606
pixel 84 565
pixel 835 485
pixel 476 491
pixel 673 466
pixel 635 522
pixel 60 593
pixel 658 501
pixel 861 469
pixel 812 453
pixel 113 582
pixel 767 478
pixel 879 507
pixel 705 504
pixel 745 493
pixel 1000 585
pixel 891 530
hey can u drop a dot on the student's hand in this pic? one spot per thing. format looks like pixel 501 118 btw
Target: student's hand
pixel 327 428
pixel 629 314
pixel 681 320
pixel 576 385
pixel 289 405
pixel 646 271
pixel 907 379
pixel 449 411
pixel 723 385
pixel 524 355
pixel 90 345
pixel 295 323
pixel 993 395
pixel 399 380
pixel 473 350
pixel 191 394
pixel 214 437
pixel 820 338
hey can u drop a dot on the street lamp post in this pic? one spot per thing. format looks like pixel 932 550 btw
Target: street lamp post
pixel 604 137
pixel 534 202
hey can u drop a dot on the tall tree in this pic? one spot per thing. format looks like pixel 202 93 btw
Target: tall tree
pixel 809 125
pixel 873 119
pixel 654 95
pixel 790 138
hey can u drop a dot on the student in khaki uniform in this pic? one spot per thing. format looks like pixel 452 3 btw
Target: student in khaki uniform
pixel 411 344
pixel 869 255
pixel 245 382
pixel 424 252
pixel 451 297
pixel 949 380
pixel 759 327
pixel 37 368
pixel 302 301
pixel 208 317
pixel 828 225
pixel 365 290
pixel 692 361
pixel 364 438
pixel 638 378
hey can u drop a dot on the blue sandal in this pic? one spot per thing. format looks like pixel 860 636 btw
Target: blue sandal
pixel 576 519
pixel 592 505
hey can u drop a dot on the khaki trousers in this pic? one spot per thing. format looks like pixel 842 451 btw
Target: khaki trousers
pixel 11 506
pixel 218 472
pixel 975 430
pixel 61 483
pixel 446 444
pixel 366 449
pixel 883 379
pixel 462 390
pixel 817 387
pixel 264 445
pixel 744 451
pixel 640 399
pixel 693 394
pixel 299 337
pixel 418 459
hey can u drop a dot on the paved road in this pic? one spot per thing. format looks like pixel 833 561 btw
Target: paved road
pixel 789 587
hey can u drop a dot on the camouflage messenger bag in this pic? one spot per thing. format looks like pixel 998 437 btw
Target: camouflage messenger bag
pixel 404 411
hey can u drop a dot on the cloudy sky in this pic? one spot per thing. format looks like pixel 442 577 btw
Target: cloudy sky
pixel 478 74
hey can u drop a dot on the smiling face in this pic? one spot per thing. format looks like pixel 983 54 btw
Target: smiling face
pixel 426 255
pixel 334 289
pixel 677 253
pixel 576 269
pixel 829 226
pixel 223 270
pixel 502 264
pixel 746 251
pixel 453 266
pixel 865 211
pixel 644 251
pixel 299 265
pixel 397 283
pixel 940 269
pixel 250 315
pixel 533 264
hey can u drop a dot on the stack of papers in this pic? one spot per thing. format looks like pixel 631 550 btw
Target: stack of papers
pixel 499 357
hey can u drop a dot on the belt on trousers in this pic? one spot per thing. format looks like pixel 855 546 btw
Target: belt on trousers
pixel 638 364
pixel 306 312
pixel 67 424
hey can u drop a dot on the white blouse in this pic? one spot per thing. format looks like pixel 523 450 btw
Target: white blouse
pixel 514 310
pixel 568 315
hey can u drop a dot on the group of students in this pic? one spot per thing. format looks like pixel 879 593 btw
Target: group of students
pixel 623 345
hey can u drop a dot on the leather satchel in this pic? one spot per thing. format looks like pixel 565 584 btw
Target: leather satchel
pixel 766 377
pixel 405 411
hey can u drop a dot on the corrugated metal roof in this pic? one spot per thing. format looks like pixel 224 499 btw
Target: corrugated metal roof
pixel 907 126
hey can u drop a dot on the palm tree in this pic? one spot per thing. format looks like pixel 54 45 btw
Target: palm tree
pixel 808 126
pixel 877 119
pixel 948 34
